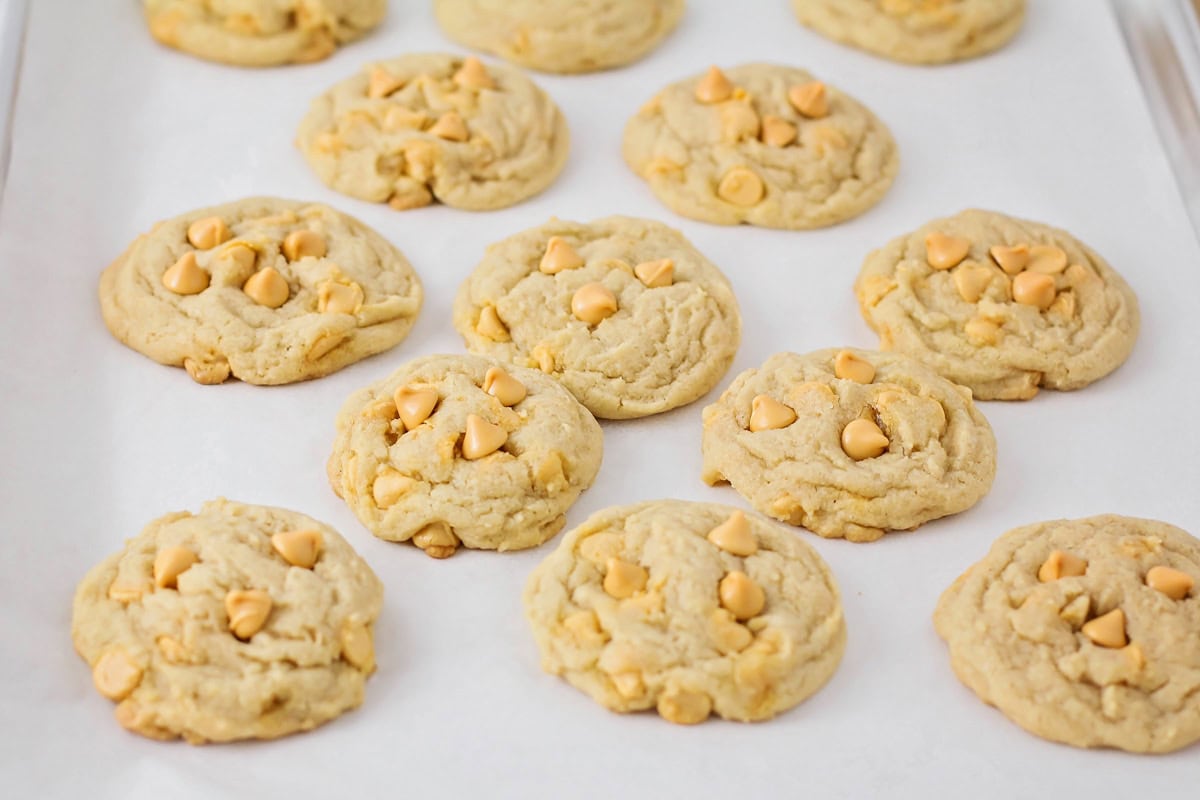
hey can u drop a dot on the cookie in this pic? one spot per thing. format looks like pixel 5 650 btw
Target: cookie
pixel 261 33
pixel 625 312
pixel 761 144
pixel 999 304
pixel 431 127
pixel 239 622
pixel 461 450
pixel 687 608
pixel 849 443
pixel 1084 632
pixel 916 31
pixel 269 291
pixel 558 36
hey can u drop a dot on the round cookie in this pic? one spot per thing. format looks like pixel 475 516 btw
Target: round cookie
pixel 239 622
pixel 431 127
pixel 688 608
pixel 261 33
pixel 270 291
pixel 1084 632
pixel 916 31
pixel 561 36
pixel 849 443
pixel 999 304
pixel 461 450
pixel 761 144
pixel 625 312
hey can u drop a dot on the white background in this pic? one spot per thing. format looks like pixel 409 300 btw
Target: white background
pixel 113 133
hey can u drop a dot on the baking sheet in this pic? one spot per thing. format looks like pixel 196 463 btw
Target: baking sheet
pixel 113 133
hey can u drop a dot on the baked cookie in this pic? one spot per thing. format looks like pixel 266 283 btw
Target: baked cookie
pixel 999 304
pixel 687 608
pixel 849 443
pixel 261 33
pixel 270 291
pixel 561 35
pixel 454 450
pixel 761 144
pixel 625 312
pixel 423 127
pixel 1084 632
pixel 916 31
pixel 240 622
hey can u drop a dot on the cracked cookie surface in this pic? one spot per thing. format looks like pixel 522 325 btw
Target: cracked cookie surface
pixel 916 31
pixel 556 36
pixel 463 450
pixel 762 144
pixel 849 443
pixel 625 312
pixel 269 291
pixel 999 304
pixel 428 127
pixel 1084 632
pixel 237 622
pixel 261 33
pixel 688 608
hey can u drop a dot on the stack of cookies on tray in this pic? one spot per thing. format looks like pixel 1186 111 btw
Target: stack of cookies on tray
pixel 244 621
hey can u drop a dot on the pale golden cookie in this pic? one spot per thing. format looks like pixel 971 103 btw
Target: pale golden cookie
pixel 999 304
pixel 688 608
pixel 463 450
pixel 916 31
pixel 239 622
pixel 261 33
pixel 1084 631
pixel 762 144
pixel 849 443
pixel 625 312
pixel 561 35
pixel 428 127
pixel 269 291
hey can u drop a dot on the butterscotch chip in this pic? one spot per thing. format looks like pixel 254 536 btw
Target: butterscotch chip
pixel 944 252
pixel 655 274
pixel 593 303
pixel 381 83
pixel 714 87
pixel 972 280
pixel 304 244
pixel 450 126
pixel 474 75
pixel 174 645
pixel 491 326
pixel 339 298
pixel 1047 259
pixel 1060 564
pixel 559 256
pixel 267 288
pixel 741 187
pixel 207 233
pixel 734 536
pixel 185 276
pixel 777 131
pixel 389 486
pixel 414 405
pixel 170 563
pixel 300 548
pixel 1107 630
pixel 863 439
pixel 436 540
pixel 1174 583
pixel 809 99
pixel 358 646
pixel 982 331
pixel 1010 259
pixel 627 635
pixel 504 387
pixel 482 438
pixel 1034 289
pixel 767 413
pixel 850 367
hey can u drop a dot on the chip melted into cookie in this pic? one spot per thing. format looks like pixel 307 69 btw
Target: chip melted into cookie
pixel 1084 632
pixel 688 608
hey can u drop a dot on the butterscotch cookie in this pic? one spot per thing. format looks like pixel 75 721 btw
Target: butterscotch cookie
pixel 261 33
pixel 561 35
pixel 916 31
pixel 269 291
pixel 625 312
pixel 761 144
pixel 239 622
pixel 999 304
pixel 687 608
pixel 461 450
pixel 849 443
pixel 1084 632
pixel 431 127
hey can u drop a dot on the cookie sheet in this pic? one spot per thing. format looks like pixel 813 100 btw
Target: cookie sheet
pixel 113 132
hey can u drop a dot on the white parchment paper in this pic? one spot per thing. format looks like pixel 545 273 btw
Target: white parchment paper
pixel 113 132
